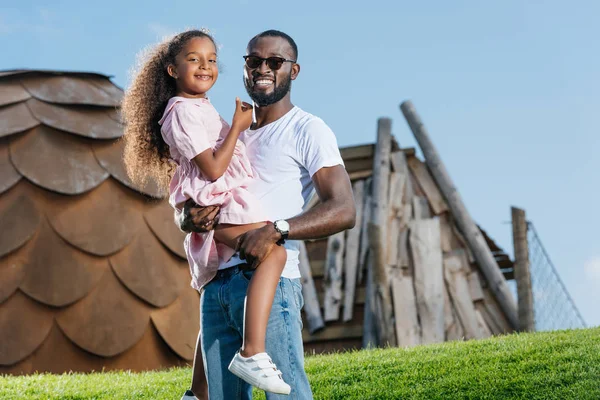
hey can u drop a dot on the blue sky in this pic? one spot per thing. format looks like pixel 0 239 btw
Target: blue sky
pixel 508 90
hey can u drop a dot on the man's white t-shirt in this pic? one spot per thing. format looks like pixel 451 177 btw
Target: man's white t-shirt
pixel 285 154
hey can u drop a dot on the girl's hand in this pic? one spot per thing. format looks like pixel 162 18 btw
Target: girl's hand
pixel 242 118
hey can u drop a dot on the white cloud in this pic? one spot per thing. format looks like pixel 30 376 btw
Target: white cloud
pixel 591 268
pixel 161 31
pixel 42 21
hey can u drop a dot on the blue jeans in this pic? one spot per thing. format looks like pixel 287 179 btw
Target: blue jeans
pixel 222 313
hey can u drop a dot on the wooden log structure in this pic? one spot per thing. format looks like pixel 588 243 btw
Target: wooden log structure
pixel 405 275
pixel 472 234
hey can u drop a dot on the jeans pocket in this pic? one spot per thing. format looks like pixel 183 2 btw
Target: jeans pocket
pixel 297 286
pixel 247 274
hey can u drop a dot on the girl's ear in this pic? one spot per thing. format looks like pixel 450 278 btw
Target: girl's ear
pixel 171 71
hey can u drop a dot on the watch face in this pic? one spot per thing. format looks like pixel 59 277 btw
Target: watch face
pixel 283 225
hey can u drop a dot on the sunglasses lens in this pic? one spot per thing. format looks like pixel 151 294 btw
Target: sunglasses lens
pixel 275 62
pixel 253 62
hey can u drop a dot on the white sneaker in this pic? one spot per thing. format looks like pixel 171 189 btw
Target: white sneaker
pixel 189 395
pixel 259 371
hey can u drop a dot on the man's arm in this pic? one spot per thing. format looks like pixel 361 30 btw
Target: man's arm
pixel 336 212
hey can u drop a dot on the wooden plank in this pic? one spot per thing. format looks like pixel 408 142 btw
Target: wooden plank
pixel 493 326
pixel 446 233
pixel 458 237
pixel 398 180
pixel 358 175
pixel 421 208
pixel 472 234
pixel 362 151
pixel 358 165
pixel 426 253
pixel 475 288
pixel 408 331
pixel 333 276
pixel 359 296
pixel 495 312
pixel 455 272
pixel 367 151
pixel 312 309
pixel 351 261
pixel 483 327
pixel 395 213
pixel 369 321
pixel 334 333
pixel 452 325
pixel 381 276
pixel 427 184
pixel 403 250
pixel 364 234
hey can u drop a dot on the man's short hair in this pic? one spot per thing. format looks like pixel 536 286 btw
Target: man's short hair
pixel 276 33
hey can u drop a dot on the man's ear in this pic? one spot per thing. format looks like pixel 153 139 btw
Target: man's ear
pixel 295 71
pixel 171 71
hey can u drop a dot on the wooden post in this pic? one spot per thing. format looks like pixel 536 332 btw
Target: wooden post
pixel 381 174
pixel 333 276
pixel 473 236
pixel 369 326
pixel 312 309
pixel 351 261
pixel 377 233
pixel 521 267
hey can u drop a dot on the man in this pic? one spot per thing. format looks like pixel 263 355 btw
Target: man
pixel 294 154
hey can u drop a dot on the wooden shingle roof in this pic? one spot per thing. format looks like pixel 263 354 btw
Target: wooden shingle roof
pixel 92 268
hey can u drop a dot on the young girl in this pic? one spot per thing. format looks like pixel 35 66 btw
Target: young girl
pixel 169 122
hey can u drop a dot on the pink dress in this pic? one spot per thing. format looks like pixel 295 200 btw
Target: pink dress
pixel 189 127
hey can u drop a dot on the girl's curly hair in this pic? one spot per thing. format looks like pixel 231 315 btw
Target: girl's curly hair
pixel 146 154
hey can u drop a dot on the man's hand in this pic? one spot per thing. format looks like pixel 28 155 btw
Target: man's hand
pixel 255 245
pixel 195 218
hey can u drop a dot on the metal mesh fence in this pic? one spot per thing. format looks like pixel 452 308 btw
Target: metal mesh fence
pixel 553 307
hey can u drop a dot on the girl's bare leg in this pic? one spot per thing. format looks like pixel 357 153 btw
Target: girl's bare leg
pixel 261 291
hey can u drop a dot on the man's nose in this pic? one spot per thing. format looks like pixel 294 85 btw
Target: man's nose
pixel 263 67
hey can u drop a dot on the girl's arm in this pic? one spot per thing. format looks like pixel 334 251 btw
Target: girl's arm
pixel 213 164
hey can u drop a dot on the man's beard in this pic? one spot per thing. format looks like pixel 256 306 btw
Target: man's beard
pixel 264 99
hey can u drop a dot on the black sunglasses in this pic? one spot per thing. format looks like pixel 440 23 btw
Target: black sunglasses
pixel 273 63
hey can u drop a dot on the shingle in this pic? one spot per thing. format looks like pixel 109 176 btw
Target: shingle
pixel 156 283
pixel 56 160
pixel 72 90
pixel 13 92
pixel 25 324
pixel 9 175
pixel 92 122
pixel 108 321
pixel 175 321
pixel 56 274
pixel 16 118
pixel 100 222
pixel 160 219
pixel 110 157
pixel 11 274
pixel 19 219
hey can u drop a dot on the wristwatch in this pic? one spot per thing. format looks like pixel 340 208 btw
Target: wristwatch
pixel 282 226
